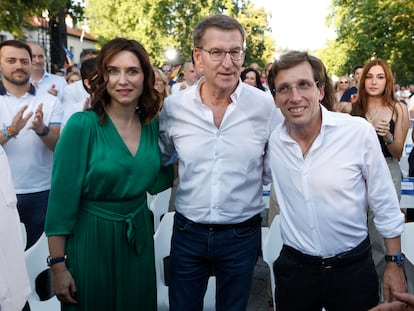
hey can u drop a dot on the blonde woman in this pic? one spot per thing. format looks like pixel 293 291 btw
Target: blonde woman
pixel 343 84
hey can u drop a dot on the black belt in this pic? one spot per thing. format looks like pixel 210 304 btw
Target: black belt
pixel 360 252
pixel 252 221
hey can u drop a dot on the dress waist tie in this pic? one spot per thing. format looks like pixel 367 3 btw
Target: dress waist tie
pixel 136 221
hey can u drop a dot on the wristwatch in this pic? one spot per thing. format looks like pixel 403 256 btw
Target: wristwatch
pixel 51 261
pixel 44 132
pixel 398 258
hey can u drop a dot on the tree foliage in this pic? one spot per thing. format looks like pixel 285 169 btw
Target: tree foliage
pixel 15 15
pixel 372 28
pixel 161 25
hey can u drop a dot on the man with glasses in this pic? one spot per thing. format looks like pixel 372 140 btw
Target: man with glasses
pixel 219 129
pixel 326 172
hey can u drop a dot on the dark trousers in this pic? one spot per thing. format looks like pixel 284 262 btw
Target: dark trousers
pixel 308 283
pixel 197 249
pixel 32 211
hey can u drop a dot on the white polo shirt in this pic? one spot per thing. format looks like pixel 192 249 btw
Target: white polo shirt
pixel 30 159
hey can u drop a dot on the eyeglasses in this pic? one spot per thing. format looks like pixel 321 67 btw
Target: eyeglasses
pixel 218 55
pixel 302 86
pixel 166 70
pixel 342 82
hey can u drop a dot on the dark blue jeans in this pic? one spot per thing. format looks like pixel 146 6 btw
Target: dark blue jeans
pixel 197 250
pixel 32 210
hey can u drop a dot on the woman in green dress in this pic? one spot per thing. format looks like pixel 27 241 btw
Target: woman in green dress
pixel 98 224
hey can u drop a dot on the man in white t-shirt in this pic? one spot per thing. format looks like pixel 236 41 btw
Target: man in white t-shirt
pixel 31 127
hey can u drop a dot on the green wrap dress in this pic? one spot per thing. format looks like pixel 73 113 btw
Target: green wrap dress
pixel 98 200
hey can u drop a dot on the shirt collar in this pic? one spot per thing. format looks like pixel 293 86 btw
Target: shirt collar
pixel 234 96
pixel 3 91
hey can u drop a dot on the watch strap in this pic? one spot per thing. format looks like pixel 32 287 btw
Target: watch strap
pixel 397 258
pixel 51 261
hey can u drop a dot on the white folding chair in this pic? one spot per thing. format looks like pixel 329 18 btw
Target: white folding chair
pixel 35 258
pixel 162 247
pixel 407 245
pixel 159 206
pixel 271 249
pixel 24 234
pixel 407 241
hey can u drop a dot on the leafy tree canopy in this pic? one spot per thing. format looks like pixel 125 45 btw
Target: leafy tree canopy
pixel 161 25
pixel 372 28
pixel 15 15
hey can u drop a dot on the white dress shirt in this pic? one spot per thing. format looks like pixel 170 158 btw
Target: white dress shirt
pixel 220 169
pixel 324 198
pixel 46 82
pixel 14 280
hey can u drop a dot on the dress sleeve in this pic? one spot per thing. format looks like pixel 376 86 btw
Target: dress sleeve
pixel 69 170
pixel 163 181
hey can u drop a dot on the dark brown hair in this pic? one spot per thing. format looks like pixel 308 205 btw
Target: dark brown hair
pixel 148 102
pixel 361 105
pixel 294 58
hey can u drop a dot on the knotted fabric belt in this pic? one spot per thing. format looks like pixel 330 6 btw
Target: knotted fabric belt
pixel 135 220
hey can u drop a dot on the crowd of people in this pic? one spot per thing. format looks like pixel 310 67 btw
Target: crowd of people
pixel 80 153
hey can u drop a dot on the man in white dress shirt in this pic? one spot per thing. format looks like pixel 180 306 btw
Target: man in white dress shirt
pixel 326 171
pixel 14 281
pixel 190 77
pixel 219 129
pixel 44 82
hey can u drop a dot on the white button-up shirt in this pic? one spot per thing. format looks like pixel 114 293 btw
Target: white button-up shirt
pixel 324 198
pixel 14 280
pixel 220 169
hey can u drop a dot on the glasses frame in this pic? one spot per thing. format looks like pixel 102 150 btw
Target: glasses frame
pixel 242 54
pixel 290 87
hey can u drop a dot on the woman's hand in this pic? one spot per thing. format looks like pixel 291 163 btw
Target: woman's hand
pixel 63 283
pixel 383 129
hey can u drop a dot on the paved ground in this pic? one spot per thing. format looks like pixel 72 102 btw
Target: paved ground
pixel 260 296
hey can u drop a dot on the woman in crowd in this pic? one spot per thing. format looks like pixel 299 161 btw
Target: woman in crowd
pixel 377 103
pixel 252 77
pixel 73 77
pixel 343 83
pixel 98 224
pixel 161 84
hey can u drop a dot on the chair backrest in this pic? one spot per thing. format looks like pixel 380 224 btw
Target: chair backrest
pixel 407 241
pixel 37 269
pixel 159 206
pixel 271 249
pixel 35 258
pixel 162 247
pixel 24 234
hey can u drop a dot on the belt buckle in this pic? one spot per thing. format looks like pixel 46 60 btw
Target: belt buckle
pixel 325 260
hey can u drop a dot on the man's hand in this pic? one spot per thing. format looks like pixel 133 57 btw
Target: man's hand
pixel 19 121
pixel 53 90
pixel 37 125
